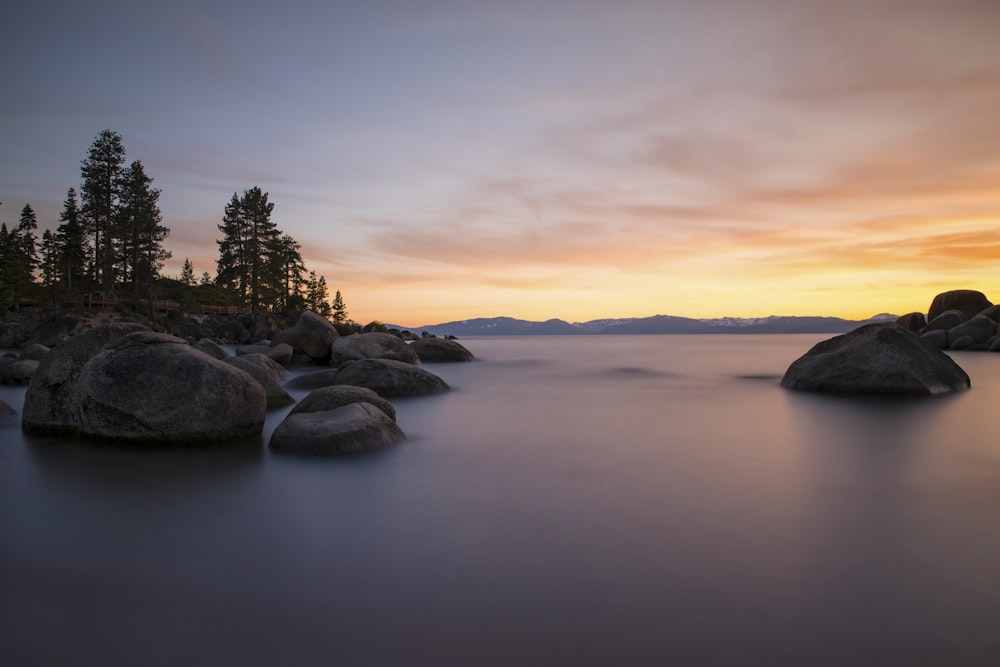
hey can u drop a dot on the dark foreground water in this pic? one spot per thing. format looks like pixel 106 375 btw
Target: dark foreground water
pixel 651 500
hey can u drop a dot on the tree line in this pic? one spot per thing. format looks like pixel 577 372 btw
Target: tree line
pixel 110 238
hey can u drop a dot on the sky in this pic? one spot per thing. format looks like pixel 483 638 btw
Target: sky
pixel 440 160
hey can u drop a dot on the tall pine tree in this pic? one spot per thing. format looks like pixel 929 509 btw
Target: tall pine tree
pixel 102 172
pixel 247 251
pixel 139 238
pixel 71 244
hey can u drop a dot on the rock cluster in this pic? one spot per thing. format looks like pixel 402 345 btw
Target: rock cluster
pixel 120 381
pixel 880 358
pixel 957 320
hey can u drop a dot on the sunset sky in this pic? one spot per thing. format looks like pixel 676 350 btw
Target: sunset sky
pixel 441 160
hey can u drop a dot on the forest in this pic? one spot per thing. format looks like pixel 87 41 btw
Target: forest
pixel 108 248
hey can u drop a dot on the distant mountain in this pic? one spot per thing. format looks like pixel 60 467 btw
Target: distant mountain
pixel 657 324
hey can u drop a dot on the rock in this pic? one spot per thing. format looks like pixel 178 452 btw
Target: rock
pixel 390 378
pixel 993 312
pixel 962 343
pixel 47 400
pixel 34 352
pixel 434 350
pixel 211 348
pixel 57 329
pixel 151 387
pixel 351 429
pixel 325 399
pixel 968 301
pixel 312 335
pixel 17 371
pixel 912 322
pixel 15 329
pixel 994 344
pixel 371 346
pixel 267 372
pixel 979 330
pixel 8 415
pixel 946 320
pixel 938 338
pixel 879 358
pixel 313 380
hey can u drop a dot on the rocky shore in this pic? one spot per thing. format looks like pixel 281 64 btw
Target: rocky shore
pixel 122 377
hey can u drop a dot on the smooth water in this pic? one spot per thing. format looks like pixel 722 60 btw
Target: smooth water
pixel 645 500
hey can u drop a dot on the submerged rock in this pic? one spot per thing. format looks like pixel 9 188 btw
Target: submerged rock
pixel 313 380
pixel 267 372
pixel 879 358
pixel 389 378
pixel 8 415
pixel 351 429
pixel 17 371
pixel 331 398
pixel 435 350
pixel 371 346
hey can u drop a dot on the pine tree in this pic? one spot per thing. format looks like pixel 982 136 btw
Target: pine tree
pixel 18 257
pixel 101 173
pixel 339 309
pixel 50 263
pixel 206 279
pixel 187 272
pixel 71 243
pixel 248 246
pixel 140 236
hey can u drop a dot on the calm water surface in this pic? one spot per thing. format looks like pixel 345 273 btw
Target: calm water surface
pixel 645 500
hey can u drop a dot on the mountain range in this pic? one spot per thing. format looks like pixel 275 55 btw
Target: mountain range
pixel 657 324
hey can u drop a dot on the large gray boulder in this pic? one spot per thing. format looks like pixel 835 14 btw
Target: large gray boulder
pixel 373 345
pixel 351 429
pixel 47 400
pixel 970 302
pixel 268 373
pixel 211 348
pixel 312 336
pixel 879 358
pixel 390 378
pixel 153 387
pixel 331 398
pixel 436 350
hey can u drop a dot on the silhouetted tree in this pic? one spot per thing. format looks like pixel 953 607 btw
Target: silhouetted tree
pixel 249 242
pixel 140 235
pixel 187 273
pixel 70 240
pixel 101 172
pixel 339 309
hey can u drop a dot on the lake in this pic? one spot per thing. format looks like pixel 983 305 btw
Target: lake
pixel 605 500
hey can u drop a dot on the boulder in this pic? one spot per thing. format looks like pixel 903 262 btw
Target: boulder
pixel 267 372
pixel 373 345
pixel 8 415
pixel 879 358
pixel 968 301
pixel 351 429
pixel 435 350
pixel 938 338
pixel 312 335
pixel 331 398
pixel 57 329
pixel 152 387
pixel 314 380
pixel 17 371
pixel 34 352
pixel 949 319
pixel 390 378
pixel 211 348
pixel 912 321
pixel 978 330
pixel 47 400
pixel 993 312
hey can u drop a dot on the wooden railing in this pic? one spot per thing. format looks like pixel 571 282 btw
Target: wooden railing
pixel 102 300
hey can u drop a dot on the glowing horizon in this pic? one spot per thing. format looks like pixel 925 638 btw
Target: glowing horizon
pixel 546 159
